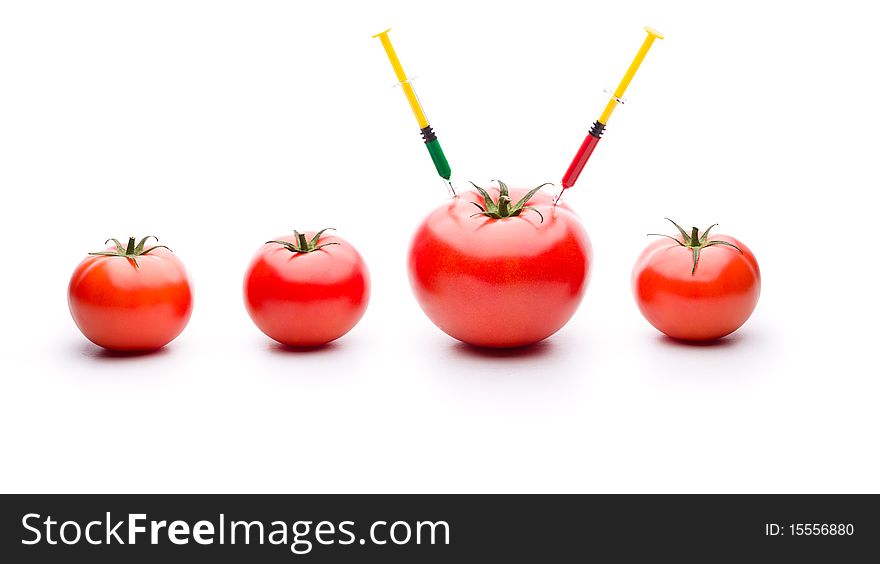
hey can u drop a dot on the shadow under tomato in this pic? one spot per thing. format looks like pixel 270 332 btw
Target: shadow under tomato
pixel 536 350
pixel 723 342
pixel 94 352
pixel 281 349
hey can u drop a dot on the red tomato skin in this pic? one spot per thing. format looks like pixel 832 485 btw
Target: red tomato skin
pixel 307 299
pixel 500 283
pixel 713 302
pixel 125 308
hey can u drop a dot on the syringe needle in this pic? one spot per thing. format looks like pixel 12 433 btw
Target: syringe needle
pixel 558 197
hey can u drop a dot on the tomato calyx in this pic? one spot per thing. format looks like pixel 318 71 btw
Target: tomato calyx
pixel 503 206
pixel 131 251
pixel 304 245
pixel 695 241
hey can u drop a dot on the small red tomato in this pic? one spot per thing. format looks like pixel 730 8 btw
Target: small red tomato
pixel 500 268
pixel 307 289
pixel 695 288
pixel 130 298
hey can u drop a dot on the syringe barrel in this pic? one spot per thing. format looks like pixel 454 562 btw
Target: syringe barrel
pixel 583 155
pixel 440 162
pixel 436 152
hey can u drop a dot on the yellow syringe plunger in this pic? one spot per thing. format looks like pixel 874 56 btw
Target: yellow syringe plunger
pixel 401 77
pixel 630 72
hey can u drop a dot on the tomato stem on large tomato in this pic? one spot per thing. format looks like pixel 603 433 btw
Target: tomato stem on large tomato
pixel 301 237
pixel 502 207
pixel 302 244
pixel 695 242
pixel 130 251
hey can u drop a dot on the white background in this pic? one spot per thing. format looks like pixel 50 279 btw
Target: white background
pixel 217 125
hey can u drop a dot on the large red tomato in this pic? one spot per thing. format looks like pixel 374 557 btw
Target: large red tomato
pixel 307 289
pixel 695 288
pixel 500 268
pixel 131 298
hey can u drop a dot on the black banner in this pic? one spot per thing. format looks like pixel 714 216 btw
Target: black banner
pixel 437 528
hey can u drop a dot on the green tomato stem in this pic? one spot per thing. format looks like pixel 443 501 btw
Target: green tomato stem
pixel 695 243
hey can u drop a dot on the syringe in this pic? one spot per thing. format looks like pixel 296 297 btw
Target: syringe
pixel 595 134
pixel 428 135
